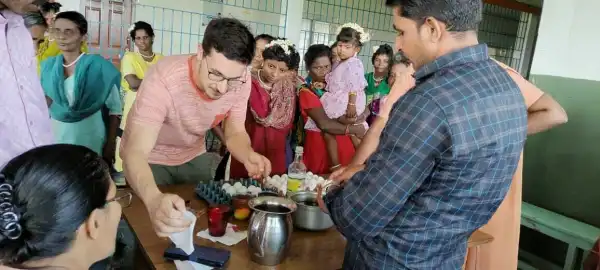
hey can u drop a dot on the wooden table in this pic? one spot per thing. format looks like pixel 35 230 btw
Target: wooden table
pixel 309 250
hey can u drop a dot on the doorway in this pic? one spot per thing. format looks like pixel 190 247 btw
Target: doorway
pixel 108 21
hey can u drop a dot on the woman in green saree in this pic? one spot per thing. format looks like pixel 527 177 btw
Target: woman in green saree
pixel 377 80
pixel 82 86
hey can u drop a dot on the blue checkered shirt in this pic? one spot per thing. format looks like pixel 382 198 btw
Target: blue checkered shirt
pixel 444 163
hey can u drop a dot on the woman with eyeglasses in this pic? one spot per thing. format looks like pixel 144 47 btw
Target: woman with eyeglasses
pixel 59 209
pixel 84 88
pixel 42 31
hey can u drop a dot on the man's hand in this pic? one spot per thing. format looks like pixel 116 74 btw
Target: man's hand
pixel 320 201
pixel 343 174
pixel 167 214
pixel 258 166
pixel 403 83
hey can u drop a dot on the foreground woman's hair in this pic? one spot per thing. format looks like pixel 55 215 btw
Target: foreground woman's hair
pixel 45 196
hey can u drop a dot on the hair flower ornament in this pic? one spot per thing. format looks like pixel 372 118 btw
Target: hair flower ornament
pixel 9 216
pixel 131 28
pixel 285 44
pixel 364 36
pixel 375 48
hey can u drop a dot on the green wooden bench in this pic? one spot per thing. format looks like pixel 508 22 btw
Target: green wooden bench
pixel 579 236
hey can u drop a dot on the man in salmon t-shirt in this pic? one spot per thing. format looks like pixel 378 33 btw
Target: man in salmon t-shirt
pixel 543 113
pixel 181 98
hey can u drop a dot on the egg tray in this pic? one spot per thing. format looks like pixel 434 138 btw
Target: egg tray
pixel 212 192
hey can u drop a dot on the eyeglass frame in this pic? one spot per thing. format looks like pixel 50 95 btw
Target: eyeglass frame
pixel 127 195
pixel 220 78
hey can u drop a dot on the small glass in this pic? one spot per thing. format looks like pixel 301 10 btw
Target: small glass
pixel 218 217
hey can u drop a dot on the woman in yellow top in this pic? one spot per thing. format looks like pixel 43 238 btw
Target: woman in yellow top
pixel 133 69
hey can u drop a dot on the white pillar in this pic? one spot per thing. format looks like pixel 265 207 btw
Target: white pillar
pixel 293 21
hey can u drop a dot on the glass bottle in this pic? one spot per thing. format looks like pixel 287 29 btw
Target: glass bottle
pixel 296 172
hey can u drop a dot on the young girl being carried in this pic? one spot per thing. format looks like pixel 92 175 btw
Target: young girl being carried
pixel 345 95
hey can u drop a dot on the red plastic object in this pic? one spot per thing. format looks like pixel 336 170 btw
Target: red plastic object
pixel 218 218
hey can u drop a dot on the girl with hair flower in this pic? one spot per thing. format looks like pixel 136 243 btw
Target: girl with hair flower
pixel 344 90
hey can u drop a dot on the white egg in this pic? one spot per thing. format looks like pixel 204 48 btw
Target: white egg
pixel 313 186
pixel 242 190
pixel 271 182
pixel 231 191
pixel 276 178
pixel 237 185
pixel 321 180
pixel 251 187
pixel 309 174
pixel 225 186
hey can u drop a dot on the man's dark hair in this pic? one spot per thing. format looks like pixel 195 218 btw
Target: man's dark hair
pixel 231 38
pixel 383 49
pixel 142 25
pixel 75 17
pixel 50 7
pixel 459 15
pixel 266 37
pixel 314 52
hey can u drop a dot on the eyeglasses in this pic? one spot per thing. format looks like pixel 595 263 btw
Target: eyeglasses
pixel 122 197
pixel 67 33
pixel 219 78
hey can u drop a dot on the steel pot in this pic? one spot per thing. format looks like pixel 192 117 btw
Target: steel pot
pixel 308 215
pixel 270 229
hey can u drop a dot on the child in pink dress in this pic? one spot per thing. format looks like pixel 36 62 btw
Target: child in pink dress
pixel 345 95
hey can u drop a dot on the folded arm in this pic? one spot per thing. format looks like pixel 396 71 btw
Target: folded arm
pixel 545 114
pixel 133 81
pixel 416 135
pixel 128 71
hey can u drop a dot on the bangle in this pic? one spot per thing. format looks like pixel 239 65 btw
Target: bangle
pixel 352 94
pixel 347 130
pixel 351 104
pixel 334 167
